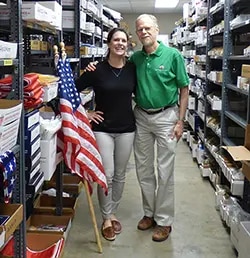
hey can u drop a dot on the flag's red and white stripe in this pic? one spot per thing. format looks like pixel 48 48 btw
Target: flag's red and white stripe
pixel 78 144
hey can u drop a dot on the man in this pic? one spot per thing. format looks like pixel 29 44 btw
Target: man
pixel 162 80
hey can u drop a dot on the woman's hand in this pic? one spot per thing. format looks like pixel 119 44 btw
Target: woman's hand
pixel 91 66
pixel 95 116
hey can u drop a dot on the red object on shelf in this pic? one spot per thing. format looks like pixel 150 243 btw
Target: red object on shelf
pixel 52 251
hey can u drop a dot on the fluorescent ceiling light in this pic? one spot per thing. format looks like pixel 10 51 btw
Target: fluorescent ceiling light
pixel 166 4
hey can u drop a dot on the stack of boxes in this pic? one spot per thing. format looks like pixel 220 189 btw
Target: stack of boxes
pixel 243 81
pixel 10 113
pixel 33 176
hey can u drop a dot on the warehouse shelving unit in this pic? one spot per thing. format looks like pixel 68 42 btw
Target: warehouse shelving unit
pixel 226 106
pixel 236 101
pixel 41 61
pixel 15 67
pixel 213 81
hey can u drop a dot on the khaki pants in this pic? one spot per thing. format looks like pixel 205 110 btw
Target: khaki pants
pixel 115 150
pixel 157 187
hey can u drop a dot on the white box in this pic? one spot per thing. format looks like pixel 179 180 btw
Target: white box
pixel 57 9
pixel 50 91
pixel 205 172
pixel 234 234
pixel 191 103
pixel 244 239
pixel 7 144
pixel 4 14
pixel 216 105
pixel 201 106
pixel 8 50
pixel 68 2
pixel 194 150
pixel 33 147
pixel 9 131
pixel 200 155
pixel 68 19
pixel 48 157
pixel 31 118
pixel 237 187
pixel 10 110
pixel 35 12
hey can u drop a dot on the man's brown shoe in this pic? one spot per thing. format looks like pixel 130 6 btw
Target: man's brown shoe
pixel 161 233
pixel 146 223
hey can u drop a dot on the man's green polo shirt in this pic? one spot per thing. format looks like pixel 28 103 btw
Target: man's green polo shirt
pixel 159 76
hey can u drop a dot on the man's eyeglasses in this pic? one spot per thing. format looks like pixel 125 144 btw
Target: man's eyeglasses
pixel 147 29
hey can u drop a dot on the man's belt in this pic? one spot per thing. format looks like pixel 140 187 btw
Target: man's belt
pixel 156 111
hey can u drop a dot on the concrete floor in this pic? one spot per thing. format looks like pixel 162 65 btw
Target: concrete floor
pixel 198 231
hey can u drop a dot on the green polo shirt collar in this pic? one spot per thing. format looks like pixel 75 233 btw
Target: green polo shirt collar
pixel 157 52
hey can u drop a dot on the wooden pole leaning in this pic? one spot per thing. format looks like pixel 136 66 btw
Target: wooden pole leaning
pixel 93 217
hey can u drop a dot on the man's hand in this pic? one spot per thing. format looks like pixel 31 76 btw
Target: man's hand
pixel 95 116
pixel 178 129
pixel 91 66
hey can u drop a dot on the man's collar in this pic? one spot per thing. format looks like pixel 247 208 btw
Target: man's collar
pixel 157 52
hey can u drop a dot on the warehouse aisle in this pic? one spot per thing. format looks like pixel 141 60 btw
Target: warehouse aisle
pixel 197 232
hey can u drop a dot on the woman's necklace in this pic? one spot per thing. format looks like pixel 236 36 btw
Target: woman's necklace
pixel 113 70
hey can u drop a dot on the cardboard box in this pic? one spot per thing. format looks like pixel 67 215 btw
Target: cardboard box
pixel 35 184
pixel 31 161
pixel 242 153
pixel 35 12
pixel 50 91
pixel 33 173
pixel 15 211
pixel 31 134
pixel 244 239
pixel 38 242
pixel 31 118
pixel 57 10
pixel 9 131
pixel 37 245
pixel 245 71
pixel 35 44
pixel 8 50
pixel 33 147
pixel 72 184
pixel 36 221
pixel 234 234
pixel 10 110
pixel 45 204
pixel 48 157
pixel 43 45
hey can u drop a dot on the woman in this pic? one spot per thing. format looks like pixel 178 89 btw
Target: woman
pixel 113 82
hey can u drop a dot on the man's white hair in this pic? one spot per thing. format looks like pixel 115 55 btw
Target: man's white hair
pixel 152 17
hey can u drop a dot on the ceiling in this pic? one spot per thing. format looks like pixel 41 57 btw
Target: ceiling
pixel 140 6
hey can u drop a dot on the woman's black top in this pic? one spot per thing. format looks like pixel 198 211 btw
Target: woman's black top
pixel 113 89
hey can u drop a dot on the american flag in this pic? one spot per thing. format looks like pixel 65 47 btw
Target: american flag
pixel 76 139
pixel 7 174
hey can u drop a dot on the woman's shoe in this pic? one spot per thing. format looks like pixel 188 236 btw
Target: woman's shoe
pixel 108 233
pixel 116 226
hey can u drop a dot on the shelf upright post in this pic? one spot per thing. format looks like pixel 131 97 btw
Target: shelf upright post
pixel 77 33
pixel 227 50
pixel 19 190
pixel 60 33
pixel 208 65
pixel 60 166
